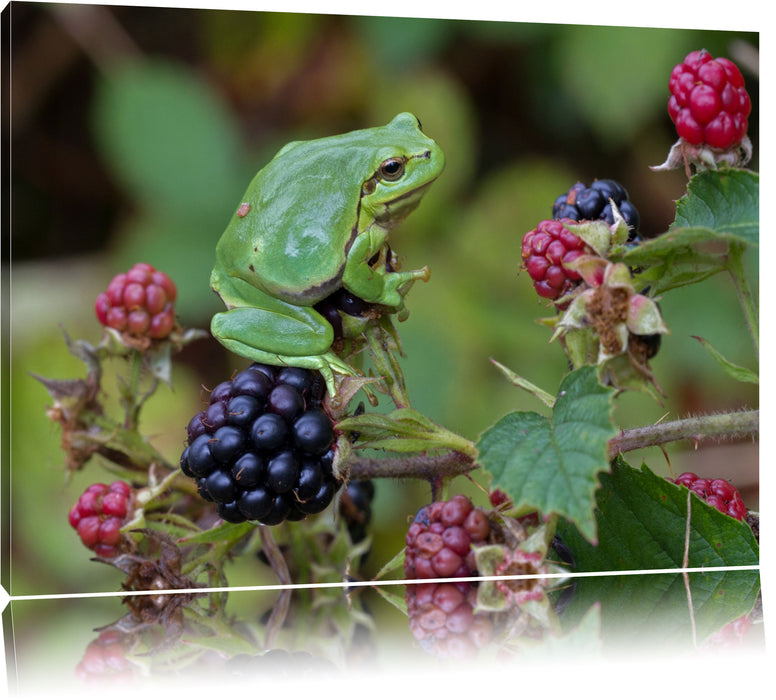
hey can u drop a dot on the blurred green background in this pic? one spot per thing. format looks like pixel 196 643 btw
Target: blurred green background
pixel 135 132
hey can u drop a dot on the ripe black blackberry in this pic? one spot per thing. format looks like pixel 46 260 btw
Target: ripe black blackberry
pixel 263 449
pixel 583 203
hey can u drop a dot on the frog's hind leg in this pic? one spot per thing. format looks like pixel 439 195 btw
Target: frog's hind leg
pixel 284 335
pixel 293 331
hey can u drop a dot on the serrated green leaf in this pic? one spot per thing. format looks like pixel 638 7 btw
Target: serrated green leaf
pixel 674 259
pixel 742 374
pixel 726 201
pixel 678 245
pixel 652 609
pixel 721 206
pixel 224 531
pixel 641 520
pixel 552 464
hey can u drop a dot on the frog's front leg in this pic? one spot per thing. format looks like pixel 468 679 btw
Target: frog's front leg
pixel 373 283
pixel 281 334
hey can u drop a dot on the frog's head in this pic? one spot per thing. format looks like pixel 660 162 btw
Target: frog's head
pixel 403 163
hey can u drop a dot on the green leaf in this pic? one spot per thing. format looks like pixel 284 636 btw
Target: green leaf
pixel 390 595
pixel 396 563
pixel 403 430
pixel 742 374
pixel 653 609
pixel 220 533
pixel 551 464
pixel 726 201
pixel 673 259
pixel 721 206
pixel 641 521
pixel 521 382
pixel 677 244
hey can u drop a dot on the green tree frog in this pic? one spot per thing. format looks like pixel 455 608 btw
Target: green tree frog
pixel 313 221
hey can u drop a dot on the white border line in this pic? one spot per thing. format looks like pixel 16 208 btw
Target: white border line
pixel 376 584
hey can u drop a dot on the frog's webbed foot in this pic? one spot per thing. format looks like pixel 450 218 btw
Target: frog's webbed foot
pixel 397 284
pixel 328 365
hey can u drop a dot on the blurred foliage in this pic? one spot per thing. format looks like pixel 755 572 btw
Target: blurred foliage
pixel 139 149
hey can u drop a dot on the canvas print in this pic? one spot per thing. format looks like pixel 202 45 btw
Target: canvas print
pixel 345 343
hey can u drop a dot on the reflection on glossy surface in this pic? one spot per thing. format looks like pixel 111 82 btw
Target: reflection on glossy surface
pixel 308 634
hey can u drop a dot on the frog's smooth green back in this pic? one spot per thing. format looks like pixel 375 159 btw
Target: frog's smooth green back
pixel 304 210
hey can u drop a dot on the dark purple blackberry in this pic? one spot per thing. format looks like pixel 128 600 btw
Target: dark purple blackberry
pixel 263 448
pixel 320 500
pixel 252 383
pixel 269 432
pixel 310 478
pixel 283 471
pixel 583 203
pixel 296 377
pixel 349 303
pixel 313 432
pixel 286 401
pixel 340 302
pixel 356 508
pixel 249 470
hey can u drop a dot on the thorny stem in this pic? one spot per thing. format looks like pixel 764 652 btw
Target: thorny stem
pixel 419 466
pixel 735 268
pixel 742 424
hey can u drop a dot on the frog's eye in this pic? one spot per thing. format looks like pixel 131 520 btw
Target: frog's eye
pixel 391 169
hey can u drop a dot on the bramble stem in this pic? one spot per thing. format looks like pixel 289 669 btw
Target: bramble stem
pixel 742 424
pixel 415 466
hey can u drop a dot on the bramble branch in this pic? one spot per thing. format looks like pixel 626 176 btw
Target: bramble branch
pixel 722 426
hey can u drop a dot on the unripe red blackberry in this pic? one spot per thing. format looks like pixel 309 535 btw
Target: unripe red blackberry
pixel 546 252
pixel 709 103
pixel 732 635
pixel 717 492
pixel 140 302
pixel 439 541
pixel 442 619
pixel 264 447
pixel 105 660
pixel 99 514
